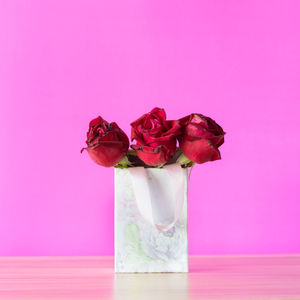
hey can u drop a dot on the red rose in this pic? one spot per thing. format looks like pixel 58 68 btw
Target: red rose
pixel 107 143
pixel 155 137
pixel 201 138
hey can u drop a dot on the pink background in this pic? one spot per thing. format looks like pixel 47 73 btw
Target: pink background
pixel 63 63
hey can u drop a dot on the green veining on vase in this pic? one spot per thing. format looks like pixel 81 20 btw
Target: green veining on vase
pixel 132 236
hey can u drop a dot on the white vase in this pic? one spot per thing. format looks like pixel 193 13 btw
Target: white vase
pixel 151 219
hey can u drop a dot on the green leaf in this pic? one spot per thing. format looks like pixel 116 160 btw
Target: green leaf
pixel 159 166
pixel 124 163
pixel 183 160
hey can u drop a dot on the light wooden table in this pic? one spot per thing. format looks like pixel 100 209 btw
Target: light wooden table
pixel 210 277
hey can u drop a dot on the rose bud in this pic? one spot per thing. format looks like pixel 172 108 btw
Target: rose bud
pixel 107 144
pixel 201 138
pixel 155 137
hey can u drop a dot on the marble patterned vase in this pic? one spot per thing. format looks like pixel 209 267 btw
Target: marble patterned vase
pixel 151 236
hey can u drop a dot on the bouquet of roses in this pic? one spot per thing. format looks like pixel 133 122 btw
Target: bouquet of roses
pixel 151 184
pixel 199 138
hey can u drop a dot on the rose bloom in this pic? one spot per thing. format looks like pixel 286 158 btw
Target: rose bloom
pixel 201 138
pixel 107 144
pixel 155 137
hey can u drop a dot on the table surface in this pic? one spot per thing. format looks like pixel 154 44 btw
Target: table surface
pixel 210 277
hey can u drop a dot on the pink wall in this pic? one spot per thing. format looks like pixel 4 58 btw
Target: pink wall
pixel 65 62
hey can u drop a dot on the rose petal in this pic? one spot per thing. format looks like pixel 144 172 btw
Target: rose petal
pixel 152 156
pixel 199 151
pixel 106 155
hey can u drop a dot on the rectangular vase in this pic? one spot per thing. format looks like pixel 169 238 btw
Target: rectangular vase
pixel 151 219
